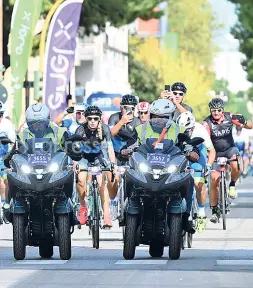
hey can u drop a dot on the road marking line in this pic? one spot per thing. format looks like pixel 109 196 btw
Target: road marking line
pixel 40 262
pixel 234 262
pixel 141 262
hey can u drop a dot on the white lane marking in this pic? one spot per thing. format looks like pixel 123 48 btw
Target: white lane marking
pixel 141 262
pixel 234 262
pixel 40 262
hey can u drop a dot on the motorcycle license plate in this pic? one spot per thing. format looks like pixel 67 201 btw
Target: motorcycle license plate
pixel 39 159
pixel 158 159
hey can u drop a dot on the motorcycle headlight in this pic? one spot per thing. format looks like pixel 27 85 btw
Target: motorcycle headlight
pixel 53 167
pixel 144 168
pixel 170 169
pixel 26 169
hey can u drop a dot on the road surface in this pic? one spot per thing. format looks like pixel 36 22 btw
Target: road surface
pixel 218 258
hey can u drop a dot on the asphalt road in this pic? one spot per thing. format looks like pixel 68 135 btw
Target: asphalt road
pixel 218 258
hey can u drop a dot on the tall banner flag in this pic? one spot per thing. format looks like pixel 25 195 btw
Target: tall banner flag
pixel 24 19
pixel 60 55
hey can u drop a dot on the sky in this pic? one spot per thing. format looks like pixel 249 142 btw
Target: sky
pixel 227 63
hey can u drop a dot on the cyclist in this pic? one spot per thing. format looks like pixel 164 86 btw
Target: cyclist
pixel 72 123
pixel 96 148
pixel 162 126
pixel 176 95
pixel 195 129
pixel 143 111
pixel 219 126
pixel 6 130
pixel 242 143
pixel 122 125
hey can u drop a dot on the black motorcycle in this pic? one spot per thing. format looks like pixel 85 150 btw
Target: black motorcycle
pixel 156 185
pixel 40 190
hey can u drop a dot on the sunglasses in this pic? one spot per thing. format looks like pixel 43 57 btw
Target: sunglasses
pixel 93 118
pixel 79 113
pixel 178 93
pixel 217 110
pixel 143 113
pixel 127 108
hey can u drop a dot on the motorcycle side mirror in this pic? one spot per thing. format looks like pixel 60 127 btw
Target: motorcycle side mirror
pixel 195 141
pixel 5 140
pixel 74 138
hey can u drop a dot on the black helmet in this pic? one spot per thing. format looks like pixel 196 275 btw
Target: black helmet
pixel 216 103
pixel 93 110
pixel 179 86
pixel 128 100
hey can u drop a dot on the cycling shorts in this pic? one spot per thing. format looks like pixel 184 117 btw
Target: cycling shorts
pixel 199 177
pixel 3 174
pixel 229 153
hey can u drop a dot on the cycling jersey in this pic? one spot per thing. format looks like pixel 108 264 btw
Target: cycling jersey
pixel 7 127
pixel 200 131
pixel 127 135
pixel 92 146
pixel 71 125
pixel 221 133
pixel 177 113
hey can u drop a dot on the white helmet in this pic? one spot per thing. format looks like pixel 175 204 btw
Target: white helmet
pixel 81 107
pixel 37 112
pixel 162 107
pixel 186 119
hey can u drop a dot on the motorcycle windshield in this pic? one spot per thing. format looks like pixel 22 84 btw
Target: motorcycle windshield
pixel 41 146
pixel 166 147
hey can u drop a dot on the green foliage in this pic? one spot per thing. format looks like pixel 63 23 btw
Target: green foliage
pixel 243 31
pixel 236 102
pixel 195 27
pixel 143 79
pixel 95 14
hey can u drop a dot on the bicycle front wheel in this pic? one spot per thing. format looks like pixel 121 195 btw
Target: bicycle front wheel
pixel 223 200
pixel 95 220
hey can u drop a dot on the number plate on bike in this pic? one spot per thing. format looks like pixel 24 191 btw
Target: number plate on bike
pixel 222 160
pixel 158 159
pixel 94 170
pixel 39 159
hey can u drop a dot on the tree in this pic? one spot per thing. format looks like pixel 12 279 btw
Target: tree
pixel 95 15
pixel 243 31
pixel 171 70
pixel 195 28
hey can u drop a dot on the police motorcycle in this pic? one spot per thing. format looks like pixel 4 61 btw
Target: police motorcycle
pixel 40 189
pixel 156 185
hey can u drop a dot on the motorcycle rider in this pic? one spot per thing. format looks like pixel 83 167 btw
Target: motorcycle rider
pixel 219 126
pixel 6 130
pixel 40 126
pixel 176 95
pixel 143 111
pixel 195 129
pixel 96 148
pixel 161 126
pixel 72 123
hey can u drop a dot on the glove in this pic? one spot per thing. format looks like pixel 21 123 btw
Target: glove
pixel 239 118
pixel 70 109
pixel 193 156
pixel 208 170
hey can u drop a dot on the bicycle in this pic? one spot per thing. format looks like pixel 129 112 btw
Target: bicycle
pixel 224 200
pixel 95 211
pixel 188 237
